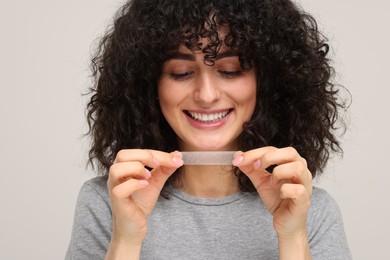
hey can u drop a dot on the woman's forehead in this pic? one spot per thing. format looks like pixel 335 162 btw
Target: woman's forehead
pixel 183 50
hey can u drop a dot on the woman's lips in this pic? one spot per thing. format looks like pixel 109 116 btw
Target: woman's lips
pixel 208 120
pixel 207 117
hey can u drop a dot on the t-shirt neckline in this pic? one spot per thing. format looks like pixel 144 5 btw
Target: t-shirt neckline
pixel 204 201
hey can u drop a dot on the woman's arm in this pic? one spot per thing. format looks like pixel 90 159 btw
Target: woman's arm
pixel 294 247
pixel 133 192
pixel 118 250
pixel 285 192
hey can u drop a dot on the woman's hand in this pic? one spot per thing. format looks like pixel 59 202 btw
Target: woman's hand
pixel 134 190
pixel 286 192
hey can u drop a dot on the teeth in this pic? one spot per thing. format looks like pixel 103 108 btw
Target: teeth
pixel 208 117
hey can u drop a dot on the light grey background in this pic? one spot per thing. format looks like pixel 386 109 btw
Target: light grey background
pixel 44 59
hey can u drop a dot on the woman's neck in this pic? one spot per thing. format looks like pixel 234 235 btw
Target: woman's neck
pixel 207 181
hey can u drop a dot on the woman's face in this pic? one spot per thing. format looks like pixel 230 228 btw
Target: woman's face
pixel 205 105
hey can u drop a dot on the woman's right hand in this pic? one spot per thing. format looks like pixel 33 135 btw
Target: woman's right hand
pixel 134 190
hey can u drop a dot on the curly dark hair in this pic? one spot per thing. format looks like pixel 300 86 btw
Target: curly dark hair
pixel 297 105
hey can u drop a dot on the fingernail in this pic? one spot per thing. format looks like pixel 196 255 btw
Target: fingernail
pixel 178 154
pixel 257 164
pixel 236 161
pixel 143 182
pixel 178 161
pixel 148 173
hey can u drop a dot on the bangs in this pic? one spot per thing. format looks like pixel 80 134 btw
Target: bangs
pixel 210 25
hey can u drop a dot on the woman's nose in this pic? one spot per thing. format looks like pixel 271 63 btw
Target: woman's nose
pixel 207 90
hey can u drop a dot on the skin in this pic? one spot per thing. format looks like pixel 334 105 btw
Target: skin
pixel 133 190
pixel 133 195
pixel 286 193
pixel 206 90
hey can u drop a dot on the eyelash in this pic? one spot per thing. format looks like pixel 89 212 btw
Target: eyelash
pixel 179 76
pixel 224 73
pixel 231 74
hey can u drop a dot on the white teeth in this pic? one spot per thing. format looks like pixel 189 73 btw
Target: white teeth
pixel 208 117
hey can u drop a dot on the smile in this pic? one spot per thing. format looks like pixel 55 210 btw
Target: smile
pixel 208 118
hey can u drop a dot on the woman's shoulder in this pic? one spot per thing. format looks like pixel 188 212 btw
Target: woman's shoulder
pixel 93 189
pixel 325 227
pixel 92 222
pixel 321 198
pixel 324 209
pixel 97 183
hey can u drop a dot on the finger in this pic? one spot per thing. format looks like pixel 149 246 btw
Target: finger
pixel 272 158
pixel 296 172
pixel 298 195
pixel 150 158
pixel 168 166
pixel 246 160
pixel 249 163
pixel 270 169
pixel 130 164
pixel 168 160
pixel 146 157
pixel 280 156
pixel 120 172
pixel 127 188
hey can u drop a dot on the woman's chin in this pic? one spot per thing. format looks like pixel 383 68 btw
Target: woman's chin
pixel 211 145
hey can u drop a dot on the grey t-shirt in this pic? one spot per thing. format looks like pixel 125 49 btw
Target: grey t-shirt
pixel 184 227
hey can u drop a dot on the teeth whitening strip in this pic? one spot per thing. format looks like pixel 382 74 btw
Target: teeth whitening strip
pixel 213 158
pixel 208 158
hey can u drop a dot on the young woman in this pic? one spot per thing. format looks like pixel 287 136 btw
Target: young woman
pixel 248 76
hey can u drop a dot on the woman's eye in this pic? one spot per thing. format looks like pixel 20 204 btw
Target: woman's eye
pixel 179 76
pixel 230 73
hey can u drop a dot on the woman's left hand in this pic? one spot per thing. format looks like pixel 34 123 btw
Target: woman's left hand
pixel 286 192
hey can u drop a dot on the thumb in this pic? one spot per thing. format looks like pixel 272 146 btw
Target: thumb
pixel 165 169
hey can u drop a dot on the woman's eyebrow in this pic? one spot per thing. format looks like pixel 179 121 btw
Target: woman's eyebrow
pixel 181 56
pixel 225 54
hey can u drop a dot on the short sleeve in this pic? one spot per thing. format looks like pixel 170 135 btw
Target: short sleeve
pixel 92 224
pixel 326 233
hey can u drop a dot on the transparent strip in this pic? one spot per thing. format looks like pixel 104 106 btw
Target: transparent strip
pixel 208 158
